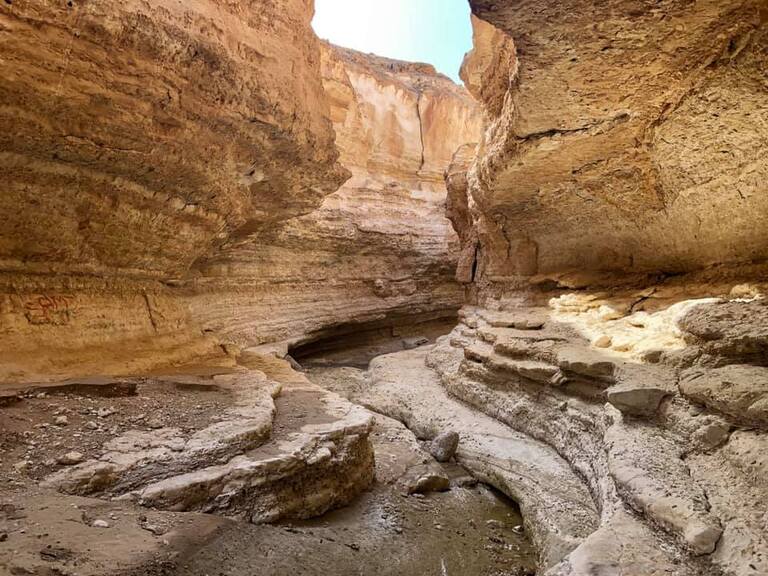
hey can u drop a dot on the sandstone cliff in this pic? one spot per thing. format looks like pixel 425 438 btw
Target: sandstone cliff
pixel 136 141
pixel 621 138
pixel 377 249
pixel 168 172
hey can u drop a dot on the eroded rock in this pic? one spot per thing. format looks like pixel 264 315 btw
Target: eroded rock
pixel 738 391
pixel 444 445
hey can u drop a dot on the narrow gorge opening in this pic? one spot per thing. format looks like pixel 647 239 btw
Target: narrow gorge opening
pixel 273 305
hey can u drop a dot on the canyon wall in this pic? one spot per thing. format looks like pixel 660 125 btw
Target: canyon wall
pixel 613 225
pixel 171 175
pixel 377 250
pixel 623 138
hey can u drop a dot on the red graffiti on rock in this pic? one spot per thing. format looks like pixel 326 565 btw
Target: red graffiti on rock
pixel 49 309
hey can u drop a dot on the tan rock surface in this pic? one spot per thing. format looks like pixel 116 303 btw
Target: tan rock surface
pixel 620 138
pixel 667 474
pixel 136 139
pixel 378 248
pixel 160 164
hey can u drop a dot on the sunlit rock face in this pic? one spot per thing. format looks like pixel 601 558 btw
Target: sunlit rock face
pixel 165 177
pixel 621 137
pixel 377 249
pixel 623 155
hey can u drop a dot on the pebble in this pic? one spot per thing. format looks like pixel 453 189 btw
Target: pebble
pixel 70 458
pixel 465 481
pixel 155 423
pixel 100 524
pixel 154 529
pixel 431 481
pixel 603 341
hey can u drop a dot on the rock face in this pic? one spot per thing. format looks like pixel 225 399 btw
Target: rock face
pixel 623 142
pixel 378 248
pixel 655 444
pixel 136 141
pixel 169 179
pixel 620 138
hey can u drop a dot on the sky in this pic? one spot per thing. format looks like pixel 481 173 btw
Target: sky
pixel 434 31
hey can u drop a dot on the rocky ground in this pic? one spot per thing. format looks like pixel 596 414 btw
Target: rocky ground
pixel 96 480
pixel 606 421
pixel 50 428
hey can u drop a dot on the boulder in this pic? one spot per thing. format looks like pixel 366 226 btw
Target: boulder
pixel 444 445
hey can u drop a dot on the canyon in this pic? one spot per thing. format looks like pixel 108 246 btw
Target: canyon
pixel 274 306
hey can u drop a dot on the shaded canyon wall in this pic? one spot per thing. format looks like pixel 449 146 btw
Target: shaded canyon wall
pixel 622 138
pixel 166 172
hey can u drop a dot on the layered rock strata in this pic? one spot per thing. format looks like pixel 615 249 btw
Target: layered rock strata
pixel 669 450
pixel 620 139
pixel 378 249
pixel 623 145
pixel 136 141
pixel 169 179
pixel 284 448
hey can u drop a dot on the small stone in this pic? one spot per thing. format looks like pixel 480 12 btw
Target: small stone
pixel 70 458
pixel 494 524
pixel 603 341
pixel 712 433
pixel 155 423
pixel 444 446
pixel 22 466
pixel 637 399
pixel 745 291
pixel 465 481
pixel 154 529
pixel 518 529
pixel 415 342
pixel 695 410
pixel 91 425
pixel 104 412
pixel 100 524
pixel 430 482
pixel 61 420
